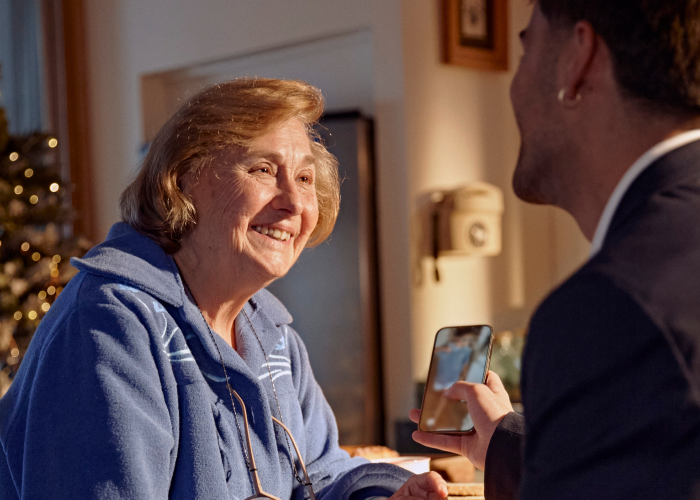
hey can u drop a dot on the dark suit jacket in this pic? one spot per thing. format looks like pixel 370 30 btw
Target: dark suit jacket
pixel 611 369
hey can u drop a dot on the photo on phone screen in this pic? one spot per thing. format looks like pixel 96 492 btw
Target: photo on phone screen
pixel 460 353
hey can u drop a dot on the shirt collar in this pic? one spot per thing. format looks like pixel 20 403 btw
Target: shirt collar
pixel 644 161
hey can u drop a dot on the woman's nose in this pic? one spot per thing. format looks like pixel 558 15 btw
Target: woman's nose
pixel 289 197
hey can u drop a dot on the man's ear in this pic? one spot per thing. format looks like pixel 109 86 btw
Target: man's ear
pixel 578 58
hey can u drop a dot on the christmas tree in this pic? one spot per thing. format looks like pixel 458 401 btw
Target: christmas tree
pixel 35 240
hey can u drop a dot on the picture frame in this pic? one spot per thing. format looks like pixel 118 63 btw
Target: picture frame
pixel 475 33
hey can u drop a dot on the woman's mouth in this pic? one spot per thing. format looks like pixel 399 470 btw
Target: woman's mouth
pixel 275 234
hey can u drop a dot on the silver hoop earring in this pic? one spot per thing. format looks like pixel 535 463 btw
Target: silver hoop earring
pixel 569 102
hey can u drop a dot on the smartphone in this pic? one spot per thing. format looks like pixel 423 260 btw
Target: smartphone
pixel 459 353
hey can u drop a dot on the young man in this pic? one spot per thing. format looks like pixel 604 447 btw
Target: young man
pixel 607 99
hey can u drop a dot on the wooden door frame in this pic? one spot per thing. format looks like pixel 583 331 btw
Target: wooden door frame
pixel 63 23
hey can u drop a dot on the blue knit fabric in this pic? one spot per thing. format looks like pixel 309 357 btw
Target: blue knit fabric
pixel 121 395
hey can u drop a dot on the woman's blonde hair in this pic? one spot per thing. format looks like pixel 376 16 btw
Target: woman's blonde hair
pixel 228 116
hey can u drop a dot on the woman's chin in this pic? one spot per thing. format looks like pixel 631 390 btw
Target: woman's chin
pixel 269 271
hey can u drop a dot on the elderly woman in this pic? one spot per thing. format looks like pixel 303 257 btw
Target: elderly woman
pixel 165 369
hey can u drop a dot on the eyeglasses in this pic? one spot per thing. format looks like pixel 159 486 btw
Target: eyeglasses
pixel 259 492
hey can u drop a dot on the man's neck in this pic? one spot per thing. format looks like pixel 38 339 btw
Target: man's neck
pixel 608 152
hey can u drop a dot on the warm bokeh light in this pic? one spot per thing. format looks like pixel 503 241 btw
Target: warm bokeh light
pixel 18 189
pixel 14 352
pixel 45 306
pixel 18 315
pixel 28 173
pixel 56 258
pixel 51 290
pixel 53 187
pixel 31 315
pixel 54 273
pixel 14 156
pixel 33 199
pixel 53 266
pixel 41 295
pixel 52 142
pixel 25 246
pixel 36 256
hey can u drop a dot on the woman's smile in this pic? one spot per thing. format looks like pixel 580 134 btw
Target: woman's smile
pixel 273 233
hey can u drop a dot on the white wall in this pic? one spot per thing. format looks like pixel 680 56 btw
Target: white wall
pixel 461 128
pixel 342 65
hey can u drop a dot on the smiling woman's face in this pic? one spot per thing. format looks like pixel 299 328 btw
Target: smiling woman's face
pixel 256 209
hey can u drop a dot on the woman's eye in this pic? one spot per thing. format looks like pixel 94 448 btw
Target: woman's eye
pixel 265 169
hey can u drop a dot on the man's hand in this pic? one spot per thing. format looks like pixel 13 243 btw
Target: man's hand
pixel 428 486
pixel 488 403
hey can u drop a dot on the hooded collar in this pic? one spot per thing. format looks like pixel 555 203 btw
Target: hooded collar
pixel 134 259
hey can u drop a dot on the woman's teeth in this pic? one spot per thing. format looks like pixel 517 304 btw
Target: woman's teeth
pixel 273 233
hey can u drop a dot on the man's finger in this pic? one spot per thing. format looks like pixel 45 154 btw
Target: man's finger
pixel 494 382
pixel 452 444
pixel 460 391
pixel 414 415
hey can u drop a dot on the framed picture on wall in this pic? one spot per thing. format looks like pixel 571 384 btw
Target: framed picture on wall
pixel 475 33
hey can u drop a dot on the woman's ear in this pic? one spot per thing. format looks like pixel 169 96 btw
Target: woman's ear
pixel 186 182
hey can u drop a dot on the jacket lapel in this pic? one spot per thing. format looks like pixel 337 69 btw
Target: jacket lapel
pixel 678 166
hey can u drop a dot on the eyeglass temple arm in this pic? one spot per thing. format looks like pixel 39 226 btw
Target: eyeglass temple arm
pixel 259 492
pixel 301 460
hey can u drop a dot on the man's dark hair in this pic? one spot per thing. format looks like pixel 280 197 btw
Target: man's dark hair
pixel 655 45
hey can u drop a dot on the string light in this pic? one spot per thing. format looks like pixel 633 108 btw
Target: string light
pixel 14 156
pixel 31 315
pixel 0 243
pixel 25 246
pixel 36 256
pixel 14 352
pixel 42 295
pixel 45 306
pixel 56 258
pixel 54 273
pixel 52 142
pixel 53 187
pixel 51 290
pixel 28 173
pixel 53 266
pixel 18 315
pixel 33 199
pixel 18 189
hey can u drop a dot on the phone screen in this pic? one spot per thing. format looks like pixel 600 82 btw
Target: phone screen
pixel 460 353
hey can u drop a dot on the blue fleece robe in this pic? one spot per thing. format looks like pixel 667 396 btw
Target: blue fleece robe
pixel 121 395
